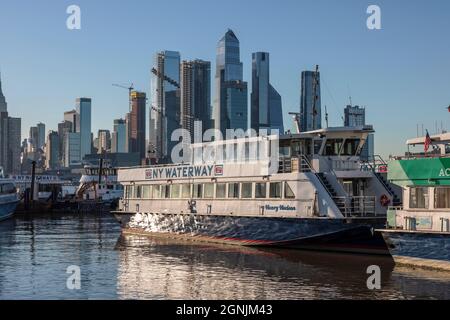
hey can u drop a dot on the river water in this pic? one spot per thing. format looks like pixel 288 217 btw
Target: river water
pixel 36 252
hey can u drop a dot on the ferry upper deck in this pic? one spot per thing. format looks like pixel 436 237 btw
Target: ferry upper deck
pixel 318 173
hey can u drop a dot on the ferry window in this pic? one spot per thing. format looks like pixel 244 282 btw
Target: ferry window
pixel 332 147
pixel 175 191
pixel 350 147
pixel 233 190
pixel 110 187
pixel 442 198
pixel 418 198
pixel 138 190
pixel 288 193
pixel 146 192
pixel 275 190
pixel 156 192
pixel 220 190
pixel 285 151
pixel 197 190
pixel 246 190
pixel 260 190
pixel 209 190
pixel 186 191
pixel 165 191
pixel 130 192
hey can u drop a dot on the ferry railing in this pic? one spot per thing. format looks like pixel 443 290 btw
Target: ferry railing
pixel 359 206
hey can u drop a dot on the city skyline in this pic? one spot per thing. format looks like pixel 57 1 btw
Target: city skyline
pixel 391 78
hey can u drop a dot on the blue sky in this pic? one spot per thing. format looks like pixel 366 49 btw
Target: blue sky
pixel 400 73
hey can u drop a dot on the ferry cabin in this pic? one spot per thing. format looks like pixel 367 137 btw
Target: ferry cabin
pixel 425 181
pixel 319 174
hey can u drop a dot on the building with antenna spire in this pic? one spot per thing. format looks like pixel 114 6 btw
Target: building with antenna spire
pixel 10 138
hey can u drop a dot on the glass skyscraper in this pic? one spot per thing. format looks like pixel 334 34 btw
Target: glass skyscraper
pixel 165 103
pixel 266 106
pixel 136 127
pixel 310 115
pixel 195 96
pixel 230 105
pixel 84 125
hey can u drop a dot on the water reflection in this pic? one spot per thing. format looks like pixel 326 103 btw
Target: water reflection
pixel 36 251
pixel 162 268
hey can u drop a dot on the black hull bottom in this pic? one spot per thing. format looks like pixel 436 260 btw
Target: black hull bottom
pixel 306 234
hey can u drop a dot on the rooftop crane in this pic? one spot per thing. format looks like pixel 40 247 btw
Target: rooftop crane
pixel 130 89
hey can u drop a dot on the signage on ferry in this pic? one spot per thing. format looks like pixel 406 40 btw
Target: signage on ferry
pixel 190 171
pixel 280 207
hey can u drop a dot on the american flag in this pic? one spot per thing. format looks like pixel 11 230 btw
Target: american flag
pixel 427 142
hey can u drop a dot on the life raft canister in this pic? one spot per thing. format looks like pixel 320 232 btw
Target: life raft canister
pixel 384 200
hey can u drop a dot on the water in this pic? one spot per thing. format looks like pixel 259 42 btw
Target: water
pixel 35 253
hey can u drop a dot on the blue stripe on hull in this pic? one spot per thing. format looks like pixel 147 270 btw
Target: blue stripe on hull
pixel 7 209
pixel 287 232
pixel 419 247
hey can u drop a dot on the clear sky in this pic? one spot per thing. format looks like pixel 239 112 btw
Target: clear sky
pixel 401 73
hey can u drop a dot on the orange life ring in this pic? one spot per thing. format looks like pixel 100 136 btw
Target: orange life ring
pixel 384 200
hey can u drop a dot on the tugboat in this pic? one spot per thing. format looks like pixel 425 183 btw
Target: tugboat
pixel 8 197
pixel 320 195
pixel 418 233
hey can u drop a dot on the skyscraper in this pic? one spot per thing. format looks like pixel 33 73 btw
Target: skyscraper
pixel 195 95
pixel 310 108
pixel 71 117
pixel 266 107
pixel 34 139
pixel 14 144
pixel 72 150
pixel 10 138
pixel 165 103
pixel 230 105
pixel 3 104
pixel 104 141
pixel 3 129
pixel 119 136
pixel 136 126
pixel 41 135
pixel 355 116
pixel 52 151
pixel 83 126
pixel 64 128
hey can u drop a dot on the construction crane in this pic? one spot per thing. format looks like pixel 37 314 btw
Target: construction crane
pixel 166 78
pixel 130 89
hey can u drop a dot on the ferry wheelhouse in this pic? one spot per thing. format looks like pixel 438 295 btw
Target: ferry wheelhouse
pixel 418 232
pixel 316 193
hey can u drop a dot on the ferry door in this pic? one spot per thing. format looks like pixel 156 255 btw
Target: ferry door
pixel 354 187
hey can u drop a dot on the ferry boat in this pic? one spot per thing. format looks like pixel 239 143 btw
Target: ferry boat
pixel 107 190
pixel 418 232
pixel 8 197
pixel 320 196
